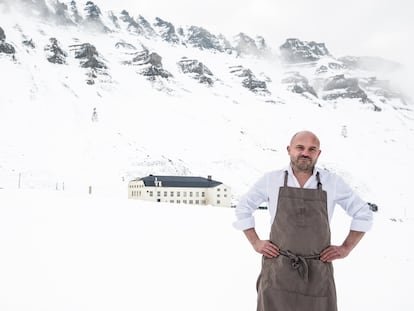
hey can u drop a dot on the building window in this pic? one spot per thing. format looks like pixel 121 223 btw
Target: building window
pixel 197 202
pixel 203 194
pixel 218 195
pixel 172 193
pixel 204 202
pixel 151 193
pixel 158 193
pixel 191 193
pixel 218 189
pixel 185 194
pixel 197 194
pixel 171 201
pixel 191 202
pixel 225 189
pixel 218 201
pixel 185 201
pixel 178 193
pixel 178 201
pixel 165 193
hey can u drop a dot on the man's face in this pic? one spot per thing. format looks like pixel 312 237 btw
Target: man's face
pixel 304 152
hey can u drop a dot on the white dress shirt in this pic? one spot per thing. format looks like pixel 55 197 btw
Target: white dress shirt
pixel 266 189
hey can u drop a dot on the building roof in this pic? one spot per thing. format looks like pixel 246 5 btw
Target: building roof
pixel 179 181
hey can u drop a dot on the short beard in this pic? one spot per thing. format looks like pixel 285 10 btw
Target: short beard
pixel 302 166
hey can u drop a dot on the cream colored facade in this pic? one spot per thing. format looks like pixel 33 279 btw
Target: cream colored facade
pixel 155 191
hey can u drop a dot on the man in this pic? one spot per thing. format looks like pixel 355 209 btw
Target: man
pixel 297 272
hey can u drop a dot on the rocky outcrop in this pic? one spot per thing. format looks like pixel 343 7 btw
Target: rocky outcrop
pixel 249 80
pixel 93 18
pixel 114 19
pixel 7 48
pixel 92 11
pixel 166 30
pixel 203 39
pixel 331 66
pixel 29 43
pixel 146 27
pixel 132 26
pixel 2 34
pixel 297 83
pixel 196 70
pixel 74 13
pixel 88 56
pixel 4 46
pixel 150 65
pixel 296 51
pixel 91 60
pixel 225 44
pixel 261 45
pixel 62 14
pixel 125 46
pixel 243 44
pixel 341 87
pixel 54 52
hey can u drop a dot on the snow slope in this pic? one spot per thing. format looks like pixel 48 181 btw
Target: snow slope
pixel 63 251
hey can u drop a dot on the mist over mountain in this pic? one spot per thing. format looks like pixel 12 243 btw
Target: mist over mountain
pixel 98 97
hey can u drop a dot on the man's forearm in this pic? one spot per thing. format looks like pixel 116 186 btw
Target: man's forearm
pixel 251 235
pixel 352 239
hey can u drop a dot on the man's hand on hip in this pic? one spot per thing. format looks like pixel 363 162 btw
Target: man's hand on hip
pixel 266 248
pixel 333 252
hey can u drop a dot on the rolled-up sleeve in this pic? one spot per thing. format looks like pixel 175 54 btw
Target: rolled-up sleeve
pixel 249 203
pixel 354 206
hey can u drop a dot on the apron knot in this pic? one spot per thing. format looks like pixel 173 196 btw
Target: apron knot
pixel 299 263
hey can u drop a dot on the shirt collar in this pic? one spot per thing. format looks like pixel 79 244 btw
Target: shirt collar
pixel 290 170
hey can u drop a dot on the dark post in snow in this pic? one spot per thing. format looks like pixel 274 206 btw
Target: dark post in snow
pixel 94 115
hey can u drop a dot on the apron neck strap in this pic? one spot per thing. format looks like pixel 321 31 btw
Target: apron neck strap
pixel 286 178
pixel 319 181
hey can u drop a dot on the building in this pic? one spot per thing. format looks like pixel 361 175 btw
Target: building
pixel 180 189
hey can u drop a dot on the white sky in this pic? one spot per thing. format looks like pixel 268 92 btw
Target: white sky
pixel 370 27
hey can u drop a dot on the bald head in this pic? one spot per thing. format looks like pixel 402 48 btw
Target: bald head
pixel 307 135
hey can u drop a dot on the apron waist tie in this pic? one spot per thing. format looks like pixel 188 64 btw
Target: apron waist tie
pixel 299 263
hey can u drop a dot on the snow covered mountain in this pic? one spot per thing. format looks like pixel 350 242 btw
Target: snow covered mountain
pixel 98 97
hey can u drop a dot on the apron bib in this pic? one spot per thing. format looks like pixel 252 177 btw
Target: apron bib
pixel 297 280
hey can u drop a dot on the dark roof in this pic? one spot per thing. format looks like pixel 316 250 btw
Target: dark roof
pixel 179 181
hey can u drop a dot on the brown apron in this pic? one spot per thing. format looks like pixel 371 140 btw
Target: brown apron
pixel 297 280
